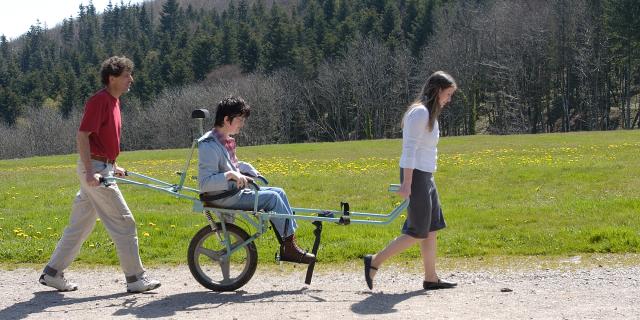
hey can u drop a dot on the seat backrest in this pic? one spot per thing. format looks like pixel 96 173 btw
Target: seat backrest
pixel 200 114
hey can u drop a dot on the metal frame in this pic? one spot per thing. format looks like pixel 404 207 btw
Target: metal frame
pixel 257 219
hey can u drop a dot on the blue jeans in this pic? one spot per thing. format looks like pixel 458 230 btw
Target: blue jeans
pixel 270 199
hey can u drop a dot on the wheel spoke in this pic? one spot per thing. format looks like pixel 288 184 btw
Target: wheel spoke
pixel 236 244
pixel 225 268
pixel 212 254
pixel 211 264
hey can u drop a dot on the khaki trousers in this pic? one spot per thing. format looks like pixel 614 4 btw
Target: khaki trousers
pixel 108 204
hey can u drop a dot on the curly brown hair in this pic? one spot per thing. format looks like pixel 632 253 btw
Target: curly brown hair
pixel 114 66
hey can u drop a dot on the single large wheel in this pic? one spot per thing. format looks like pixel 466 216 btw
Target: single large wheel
pixel 209 263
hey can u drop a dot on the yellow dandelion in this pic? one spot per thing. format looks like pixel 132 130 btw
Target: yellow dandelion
pixel 146 234
pixel 151 224
pixel 92 246
pixel 172 226
pixel 49 228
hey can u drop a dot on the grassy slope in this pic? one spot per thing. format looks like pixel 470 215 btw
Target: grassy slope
pixel 552 194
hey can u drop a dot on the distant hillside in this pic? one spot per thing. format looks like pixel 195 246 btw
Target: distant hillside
pixel 219 5
pixel 331 70
pixel 174 43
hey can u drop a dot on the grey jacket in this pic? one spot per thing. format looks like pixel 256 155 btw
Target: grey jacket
pixel 213 162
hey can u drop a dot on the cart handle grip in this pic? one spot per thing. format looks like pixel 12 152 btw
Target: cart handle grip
pixel 104 181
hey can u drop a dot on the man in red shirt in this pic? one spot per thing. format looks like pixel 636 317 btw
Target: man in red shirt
pixel 98 142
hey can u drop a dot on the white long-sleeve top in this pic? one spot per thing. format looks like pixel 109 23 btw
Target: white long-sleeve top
pixel 419 145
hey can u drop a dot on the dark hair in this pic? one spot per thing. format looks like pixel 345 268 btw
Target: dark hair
pixel 114 66
pixel 428 96
pixel 231 107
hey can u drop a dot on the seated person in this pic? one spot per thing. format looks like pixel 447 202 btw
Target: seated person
pixel 218 172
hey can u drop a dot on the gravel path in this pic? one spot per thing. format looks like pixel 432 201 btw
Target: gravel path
pixel 592 292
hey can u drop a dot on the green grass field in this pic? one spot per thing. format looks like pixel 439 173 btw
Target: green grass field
pixel 520 195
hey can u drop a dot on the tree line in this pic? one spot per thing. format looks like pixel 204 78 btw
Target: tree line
pixel 328 70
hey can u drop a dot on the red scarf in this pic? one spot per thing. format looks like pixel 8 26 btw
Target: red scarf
pixel 229 143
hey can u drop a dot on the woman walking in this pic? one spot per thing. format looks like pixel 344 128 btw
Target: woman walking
pixel 420 135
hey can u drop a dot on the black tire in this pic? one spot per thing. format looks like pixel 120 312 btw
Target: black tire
pixel 210 272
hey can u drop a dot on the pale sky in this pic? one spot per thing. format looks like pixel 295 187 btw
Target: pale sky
pixel 16 16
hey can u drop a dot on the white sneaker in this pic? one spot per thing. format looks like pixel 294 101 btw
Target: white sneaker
pixel 143 284
pixel 58 282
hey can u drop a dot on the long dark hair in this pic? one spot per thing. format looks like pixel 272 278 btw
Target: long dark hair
pixel 428 96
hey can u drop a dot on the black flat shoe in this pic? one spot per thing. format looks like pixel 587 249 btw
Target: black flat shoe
pixel 440 284
pixel 367 269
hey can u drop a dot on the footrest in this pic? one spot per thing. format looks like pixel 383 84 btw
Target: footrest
pixel 316 244
pixel 345 219
pixel 326 214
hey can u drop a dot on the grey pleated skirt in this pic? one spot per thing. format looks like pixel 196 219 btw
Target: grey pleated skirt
pixel 424 212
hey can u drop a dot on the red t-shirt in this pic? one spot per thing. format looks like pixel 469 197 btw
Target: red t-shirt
pixel 102 118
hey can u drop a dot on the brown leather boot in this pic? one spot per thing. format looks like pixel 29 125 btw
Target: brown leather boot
pixel 289 251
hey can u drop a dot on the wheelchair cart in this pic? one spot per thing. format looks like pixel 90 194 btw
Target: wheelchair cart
pixel 222 256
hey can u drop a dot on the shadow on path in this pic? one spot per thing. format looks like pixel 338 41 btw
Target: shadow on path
pixel 194 301
pixel 382 303
pixel 43 300
pixel 127 303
